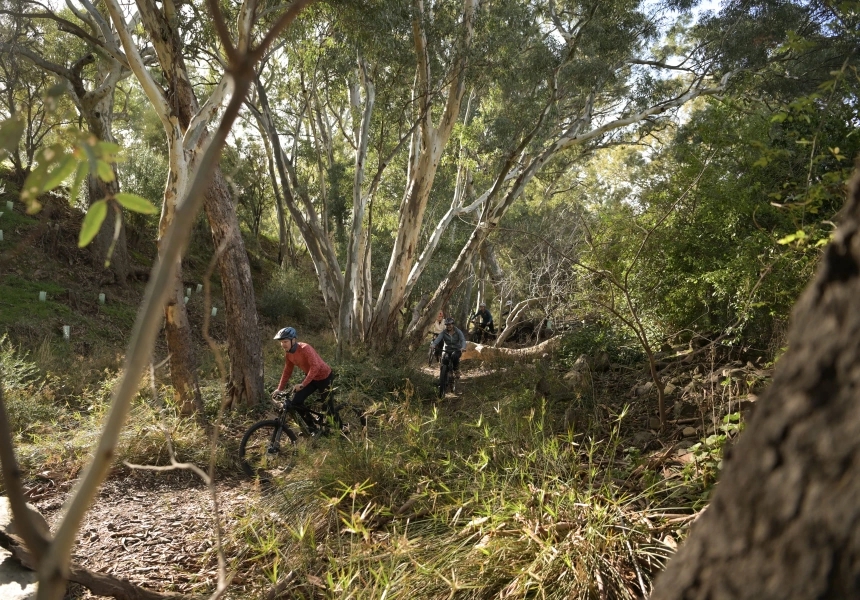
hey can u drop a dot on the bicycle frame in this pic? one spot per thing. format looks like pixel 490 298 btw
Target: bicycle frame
pixel 320 420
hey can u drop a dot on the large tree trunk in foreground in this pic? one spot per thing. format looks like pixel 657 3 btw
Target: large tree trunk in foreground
pixel 783 519
pixel 245 380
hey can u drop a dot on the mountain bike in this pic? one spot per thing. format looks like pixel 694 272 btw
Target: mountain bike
pixel 447 378
pixel 431 353
pixel 269 447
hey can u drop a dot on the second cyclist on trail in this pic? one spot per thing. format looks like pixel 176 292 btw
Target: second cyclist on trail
pixel 455 343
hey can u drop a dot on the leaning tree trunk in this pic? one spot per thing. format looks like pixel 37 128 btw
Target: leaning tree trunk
pixel 245 380
pixel 783 520
pixel 245 383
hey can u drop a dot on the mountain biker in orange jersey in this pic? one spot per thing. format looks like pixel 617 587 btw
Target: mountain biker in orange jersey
pixel 437 327
pixel 318 375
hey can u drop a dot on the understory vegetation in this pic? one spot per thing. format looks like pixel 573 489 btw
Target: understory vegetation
pixel 637 193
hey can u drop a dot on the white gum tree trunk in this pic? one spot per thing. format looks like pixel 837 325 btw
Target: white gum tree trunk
pixel 500 199
pixel 354 277
pixel 433 140
pixel 317 242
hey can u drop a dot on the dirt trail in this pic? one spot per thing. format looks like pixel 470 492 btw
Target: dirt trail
pixel 154 529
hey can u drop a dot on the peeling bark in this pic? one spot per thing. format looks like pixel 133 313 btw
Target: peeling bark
pixel 433 141
pixel 185 122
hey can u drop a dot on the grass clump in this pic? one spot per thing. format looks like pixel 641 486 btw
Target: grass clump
pixel 493 504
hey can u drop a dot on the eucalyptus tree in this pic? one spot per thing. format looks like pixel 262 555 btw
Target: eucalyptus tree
pixel 172 95
pixel 89 63
pixel 337 105
pixel 22 93
pixel 544 80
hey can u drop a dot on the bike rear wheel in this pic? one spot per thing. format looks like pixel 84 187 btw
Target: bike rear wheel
pixel 351 420
pixel 263 456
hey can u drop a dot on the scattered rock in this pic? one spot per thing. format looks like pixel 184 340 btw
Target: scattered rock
pixel 7 522
pixel 689 432
pixel 686 458
pixel 601 362
pixel 642 438
pixel 654 423
pixel 644 389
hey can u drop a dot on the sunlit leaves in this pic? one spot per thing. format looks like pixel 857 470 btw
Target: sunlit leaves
pixel 80 175
pixel 92 222
pixel 797 236
pixel 11 131
pixel 136 203
pixel 57 163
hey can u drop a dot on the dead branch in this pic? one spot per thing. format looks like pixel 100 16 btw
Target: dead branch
pixel 100 584
pixel 475 351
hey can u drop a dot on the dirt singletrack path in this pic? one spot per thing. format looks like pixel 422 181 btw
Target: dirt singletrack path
pixel 154 529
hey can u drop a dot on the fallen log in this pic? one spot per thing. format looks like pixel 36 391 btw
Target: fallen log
pixel 475 351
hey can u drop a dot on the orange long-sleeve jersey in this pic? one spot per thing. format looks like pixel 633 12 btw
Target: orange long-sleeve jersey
pixel 307 359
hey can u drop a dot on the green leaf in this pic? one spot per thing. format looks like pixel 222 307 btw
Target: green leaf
pixel 80 175
pixel 92 222
pixel 136 203
pixel 787 239
pixel 107 148
pixel 11 131
pixel 779 117
pixel 105 171
pixel 91 156
pixel 107 151
pixel 67 165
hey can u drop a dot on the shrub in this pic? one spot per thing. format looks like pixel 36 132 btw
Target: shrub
pixel 594 337
pixel 285 297
pixel 17 372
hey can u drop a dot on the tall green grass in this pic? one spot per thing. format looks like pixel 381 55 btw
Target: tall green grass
pixel 425 506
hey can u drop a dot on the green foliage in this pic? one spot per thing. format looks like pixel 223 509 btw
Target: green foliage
pixel 16 370
pixel 708 453
pixel 591 338
pixel 21 380
pixel 11 131
pixel 287 296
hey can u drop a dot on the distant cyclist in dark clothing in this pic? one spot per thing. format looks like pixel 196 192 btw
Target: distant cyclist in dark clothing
pixel 486 318
pixel 454 341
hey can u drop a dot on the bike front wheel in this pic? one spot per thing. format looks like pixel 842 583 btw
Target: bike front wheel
pixel 267 450
pixel 444 375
